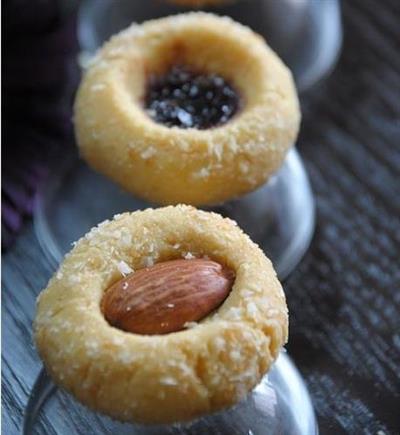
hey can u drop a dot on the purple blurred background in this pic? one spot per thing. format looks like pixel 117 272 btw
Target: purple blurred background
pixel 40 74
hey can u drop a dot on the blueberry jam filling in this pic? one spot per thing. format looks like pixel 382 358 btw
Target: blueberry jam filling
pixel 186 99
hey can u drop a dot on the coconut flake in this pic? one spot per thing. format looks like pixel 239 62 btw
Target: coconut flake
pixel 124 268
pixel 219 343
pixel 98 87
pixel 168 380
pixel 202 173
pixel 148 261
pixel 252 309
pixel 126 356
pixel 147 153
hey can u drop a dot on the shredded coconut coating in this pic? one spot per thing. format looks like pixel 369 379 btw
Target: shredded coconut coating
pixel 169 165
pixel 160 378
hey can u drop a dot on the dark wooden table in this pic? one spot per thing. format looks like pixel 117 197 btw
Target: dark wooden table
pixel 344 298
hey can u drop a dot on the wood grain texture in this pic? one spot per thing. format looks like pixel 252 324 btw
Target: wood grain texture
pixel 344 298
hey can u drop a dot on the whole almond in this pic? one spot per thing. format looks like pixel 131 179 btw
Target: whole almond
pixel 163 298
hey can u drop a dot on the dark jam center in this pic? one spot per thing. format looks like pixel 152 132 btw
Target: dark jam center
pixel 186 99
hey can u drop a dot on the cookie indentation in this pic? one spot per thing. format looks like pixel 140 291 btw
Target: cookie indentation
pixel 189 99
